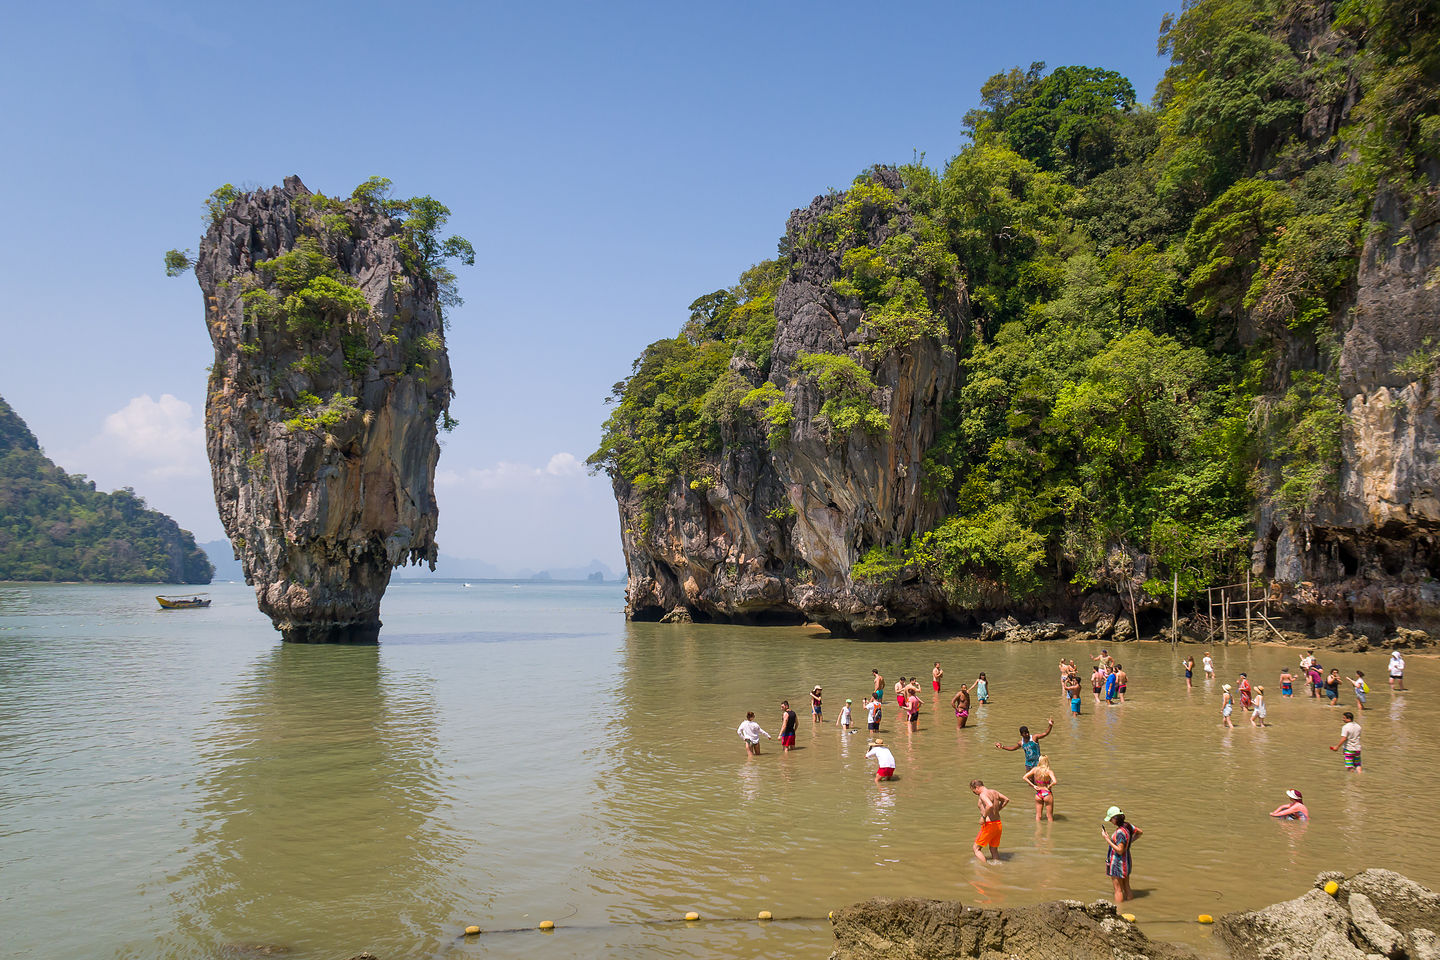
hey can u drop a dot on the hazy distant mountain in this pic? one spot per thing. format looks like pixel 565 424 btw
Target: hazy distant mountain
pixel 222 557
pixel 446 568
pixel 457 568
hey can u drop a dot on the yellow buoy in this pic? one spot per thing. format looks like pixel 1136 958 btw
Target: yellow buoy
pixel 692 915
pixel 1332 888
pixel 547 924
pixel 471 931
pixel 1129 916
pixel 1205 918
pixel 764 915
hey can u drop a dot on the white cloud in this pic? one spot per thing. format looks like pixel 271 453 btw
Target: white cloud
pixel 520 514
pixel 158 448
pixel 158 436
pixel 561 469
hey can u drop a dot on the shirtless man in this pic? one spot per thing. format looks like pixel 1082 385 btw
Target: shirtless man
pixel 879 693
pixel 935 676
pixel 1120 678
pixel 961 703
pixel 990 802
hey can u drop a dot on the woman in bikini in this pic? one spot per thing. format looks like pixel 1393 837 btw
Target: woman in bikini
pixel 1043 779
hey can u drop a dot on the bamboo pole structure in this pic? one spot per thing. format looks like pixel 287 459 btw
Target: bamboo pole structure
pixel 1175 608
pixel 1247 608
pixel 1210 613
pixel 1225 617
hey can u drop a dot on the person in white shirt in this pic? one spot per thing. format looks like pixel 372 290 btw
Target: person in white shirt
pixel 1397 670
pixel 844 721
pixel 750 732
pixel 1209 667
pixel 872 714
pixel 1350 740
pixel 883 756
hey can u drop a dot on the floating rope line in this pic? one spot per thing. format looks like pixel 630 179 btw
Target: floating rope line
pixel 549 926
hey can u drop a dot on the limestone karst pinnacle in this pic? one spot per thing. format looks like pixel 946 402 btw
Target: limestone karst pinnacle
pixel 329 379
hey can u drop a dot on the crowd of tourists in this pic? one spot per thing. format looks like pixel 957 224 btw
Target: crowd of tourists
pixel 1108 684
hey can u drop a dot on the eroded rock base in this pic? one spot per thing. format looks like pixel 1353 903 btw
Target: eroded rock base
pixel 915 929
pixel 353 633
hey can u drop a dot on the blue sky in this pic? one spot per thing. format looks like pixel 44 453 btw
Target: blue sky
pixel 610 162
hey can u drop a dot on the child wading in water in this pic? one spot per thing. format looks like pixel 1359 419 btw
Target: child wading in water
pixel 844 721
pixel 1257 715
pixel 1043 779
pixel 1287 683
pixel 982 689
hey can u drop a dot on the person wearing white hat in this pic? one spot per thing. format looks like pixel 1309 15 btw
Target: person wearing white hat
pixel 815 704
pixel 883 757
pixel 1117 854
pixel 1397 670
pixel 1227 705
pixel 1294 810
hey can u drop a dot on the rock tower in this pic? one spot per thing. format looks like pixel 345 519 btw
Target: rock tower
pixel 330 378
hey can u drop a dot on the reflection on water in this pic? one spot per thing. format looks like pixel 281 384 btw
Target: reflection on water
pixel 509 754
pixel 318 788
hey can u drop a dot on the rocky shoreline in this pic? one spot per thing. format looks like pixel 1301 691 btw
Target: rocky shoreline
pixel 1373 914
pixel 1117 630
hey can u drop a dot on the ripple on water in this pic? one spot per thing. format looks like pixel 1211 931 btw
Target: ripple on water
pixel 558 760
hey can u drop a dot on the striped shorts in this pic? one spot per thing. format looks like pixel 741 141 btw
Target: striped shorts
pixel 1352 760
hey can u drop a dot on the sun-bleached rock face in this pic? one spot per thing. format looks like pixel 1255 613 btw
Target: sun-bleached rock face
pixel 1369 557
pixel 773 539
pixel 322 435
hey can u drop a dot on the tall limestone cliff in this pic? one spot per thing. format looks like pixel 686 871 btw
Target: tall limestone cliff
pixel 330 377
pixel 1103 352
pixel 764 537
pixel 1368 556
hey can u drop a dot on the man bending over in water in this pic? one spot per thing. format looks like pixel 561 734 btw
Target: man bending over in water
pixel 990 802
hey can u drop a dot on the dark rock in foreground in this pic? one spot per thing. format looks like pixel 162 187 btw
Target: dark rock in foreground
pixel 1374 914
pixel 916 929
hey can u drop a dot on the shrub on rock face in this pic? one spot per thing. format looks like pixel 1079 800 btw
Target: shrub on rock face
pixel 329 383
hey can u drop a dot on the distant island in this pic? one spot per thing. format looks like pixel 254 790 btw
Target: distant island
pixel 55 526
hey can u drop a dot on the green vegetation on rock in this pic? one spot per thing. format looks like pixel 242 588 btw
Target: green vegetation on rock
pixel 57 526
pixel 1153 299
pixel 303 309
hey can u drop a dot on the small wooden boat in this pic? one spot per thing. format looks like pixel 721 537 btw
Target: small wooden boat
pixel 184 603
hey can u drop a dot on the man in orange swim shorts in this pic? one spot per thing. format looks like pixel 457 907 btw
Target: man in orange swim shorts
pixel 991 802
